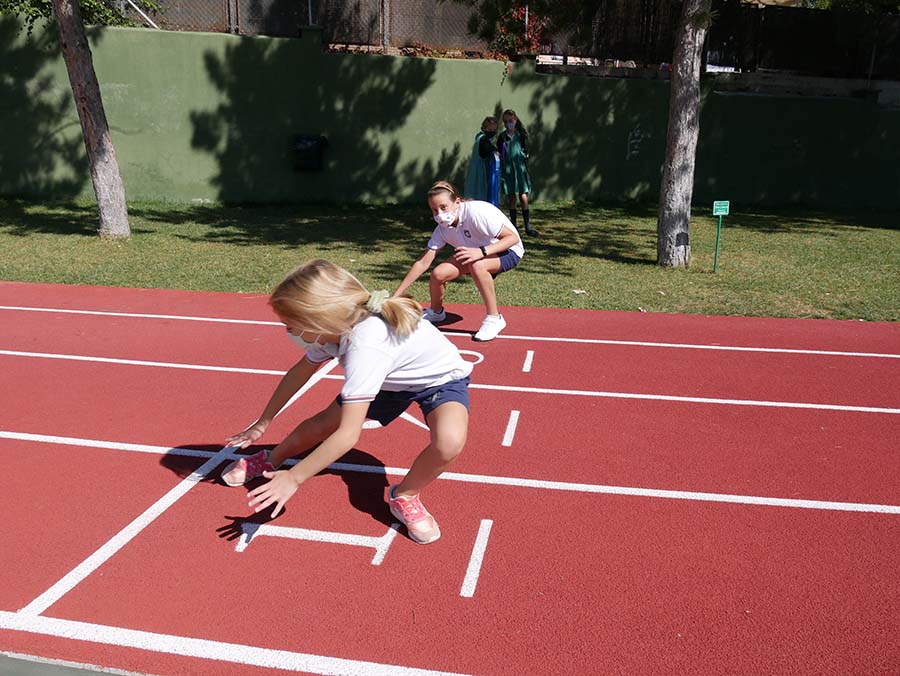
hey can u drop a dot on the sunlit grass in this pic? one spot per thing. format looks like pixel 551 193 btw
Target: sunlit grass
pixel 785 263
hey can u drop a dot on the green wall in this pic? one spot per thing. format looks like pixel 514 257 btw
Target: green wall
pixel 211 117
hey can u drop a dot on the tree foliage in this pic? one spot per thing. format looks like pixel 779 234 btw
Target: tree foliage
pixel 94 12
pixel 867 7
pixel 501 23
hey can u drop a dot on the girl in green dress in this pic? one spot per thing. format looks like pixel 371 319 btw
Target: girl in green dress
pixel 514 179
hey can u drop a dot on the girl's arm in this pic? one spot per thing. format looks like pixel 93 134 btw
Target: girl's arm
pixel 416 271
pixel 283 484
pixel 292 381
pixel 506 240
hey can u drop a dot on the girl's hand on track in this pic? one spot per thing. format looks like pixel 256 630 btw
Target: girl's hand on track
pixel 278 491
pixel 248 436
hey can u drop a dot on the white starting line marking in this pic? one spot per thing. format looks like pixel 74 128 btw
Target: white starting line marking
pixel 499 480
pixel 504 388
pixel 473 571
pixel 380 544
pixel 187 646
pixel 529 357
pixel 504 336
pixel 689 400
pixel 124 536
pixel 510 429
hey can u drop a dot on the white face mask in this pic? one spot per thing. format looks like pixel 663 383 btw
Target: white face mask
pixel 304 344
pixel 445 217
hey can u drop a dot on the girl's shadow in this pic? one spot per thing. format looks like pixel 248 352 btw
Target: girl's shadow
pixel 366 484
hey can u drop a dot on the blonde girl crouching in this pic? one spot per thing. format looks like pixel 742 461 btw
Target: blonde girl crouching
pixel 391 357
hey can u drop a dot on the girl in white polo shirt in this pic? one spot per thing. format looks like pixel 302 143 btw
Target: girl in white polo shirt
pixel 391 357
pixel 485 243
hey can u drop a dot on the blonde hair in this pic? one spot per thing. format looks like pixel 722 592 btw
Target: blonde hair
pixel 323 298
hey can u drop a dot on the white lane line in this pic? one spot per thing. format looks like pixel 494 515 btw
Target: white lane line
pixel 139 362
pixel 690 400
pixel 688 346
pixel 517 482
pixel 473 571
pixel 137 315
pixel 381 544
pixel 529 357
pixel 220 651
pixel 510 428
pixel 504 336
pixel 505 388
pixel 124 536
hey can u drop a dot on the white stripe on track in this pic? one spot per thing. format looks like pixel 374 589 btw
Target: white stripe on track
pixel 689 346
pixel 473 570
pixel 219 651
pixel 124 536
pixel 553 339
pixel 503 388
pixel 139 362
pixel 514 482
pixel 138 315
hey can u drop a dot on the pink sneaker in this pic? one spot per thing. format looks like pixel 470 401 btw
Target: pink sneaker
pixel 243 470
pixel 420 525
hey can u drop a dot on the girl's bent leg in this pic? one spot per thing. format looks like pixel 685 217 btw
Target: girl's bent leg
pixel 442 273
pixel 481 272
pixel 449 425
pixel 307 434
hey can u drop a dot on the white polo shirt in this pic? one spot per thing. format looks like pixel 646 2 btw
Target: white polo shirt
pixel 479 224
pixel 375 358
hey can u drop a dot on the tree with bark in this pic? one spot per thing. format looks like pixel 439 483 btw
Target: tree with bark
pixel 673 243
pixel 76 50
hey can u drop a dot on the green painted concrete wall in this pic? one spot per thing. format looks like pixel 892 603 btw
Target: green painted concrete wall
pixel 212 117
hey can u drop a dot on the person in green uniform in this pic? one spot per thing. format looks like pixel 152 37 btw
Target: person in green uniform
pixel 481 183
pixel 514 179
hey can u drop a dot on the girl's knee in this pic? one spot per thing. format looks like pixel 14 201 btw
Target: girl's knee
pixel 449 446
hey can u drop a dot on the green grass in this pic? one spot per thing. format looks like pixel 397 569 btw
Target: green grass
pixel 789 263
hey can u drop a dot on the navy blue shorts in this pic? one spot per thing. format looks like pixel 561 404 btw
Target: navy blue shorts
pixel 508 260
pixel 388 406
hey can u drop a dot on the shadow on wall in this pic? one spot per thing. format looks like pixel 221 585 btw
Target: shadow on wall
pixel 41 147
pixel 838 153
pixel 274 89
pixel 594 139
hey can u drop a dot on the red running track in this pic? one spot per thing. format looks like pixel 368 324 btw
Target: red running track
pixel 654 508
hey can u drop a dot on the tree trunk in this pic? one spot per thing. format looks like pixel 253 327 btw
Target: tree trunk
pixel 101 155
pixel 673 248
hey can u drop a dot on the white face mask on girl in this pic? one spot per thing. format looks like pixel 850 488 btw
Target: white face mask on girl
pixel 298 340
pixel 445 217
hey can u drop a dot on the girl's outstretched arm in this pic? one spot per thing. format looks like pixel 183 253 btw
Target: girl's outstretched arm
pixel 416 271
pixel 292 381
pixel 284 483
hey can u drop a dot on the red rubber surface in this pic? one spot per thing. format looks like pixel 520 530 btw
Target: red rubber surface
pixel 572 582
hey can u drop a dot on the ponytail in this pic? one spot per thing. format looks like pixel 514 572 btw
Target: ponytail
pixel 324 298
pixel 402 314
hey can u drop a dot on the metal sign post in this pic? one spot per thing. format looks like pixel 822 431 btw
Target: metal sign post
pixel 720 208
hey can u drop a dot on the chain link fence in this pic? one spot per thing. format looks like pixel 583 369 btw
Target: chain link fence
pixel 639 32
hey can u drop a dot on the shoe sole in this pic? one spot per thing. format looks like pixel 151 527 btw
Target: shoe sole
pixel 410 533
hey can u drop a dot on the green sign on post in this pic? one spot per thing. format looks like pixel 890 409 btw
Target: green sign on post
pixel 720 208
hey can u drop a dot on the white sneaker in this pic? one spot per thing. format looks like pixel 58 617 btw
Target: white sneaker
pixel 434 317
pixel 490 328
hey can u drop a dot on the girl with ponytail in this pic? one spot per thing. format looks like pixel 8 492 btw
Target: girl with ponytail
pixel 391 357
